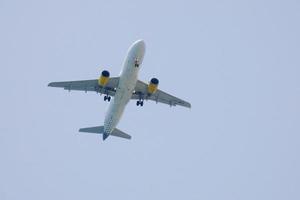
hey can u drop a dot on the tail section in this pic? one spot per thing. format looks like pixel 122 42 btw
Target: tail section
pixel 96 129
pixel 100 130
pixel 118 133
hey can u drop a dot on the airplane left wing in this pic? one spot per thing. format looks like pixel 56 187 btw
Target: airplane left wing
pixel 141 89
pixel 89 85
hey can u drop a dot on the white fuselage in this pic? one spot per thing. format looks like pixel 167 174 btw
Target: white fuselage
pixel 127 82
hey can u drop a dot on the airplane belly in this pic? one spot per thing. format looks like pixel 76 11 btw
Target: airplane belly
pixel 127 82
pixel 117 107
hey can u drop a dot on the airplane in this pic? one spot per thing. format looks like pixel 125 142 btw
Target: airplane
pixel 122 88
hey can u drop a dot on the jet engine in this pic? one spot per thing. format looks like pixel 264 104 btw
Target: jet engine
pixel 152 87
pixel 104 78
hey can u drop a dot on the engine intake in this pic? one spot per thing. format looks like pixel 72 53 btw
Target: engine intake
pixel 152 87
pixel 104 78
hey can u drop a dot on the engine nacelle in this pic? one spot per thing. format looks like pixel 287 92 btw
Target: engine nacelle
pixel 104 78
pixel 152 87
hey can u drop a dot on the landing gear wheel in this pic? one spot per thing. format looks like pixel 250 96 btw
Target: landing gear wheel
pixel 140 103
pixel 136 63
pixel 108 98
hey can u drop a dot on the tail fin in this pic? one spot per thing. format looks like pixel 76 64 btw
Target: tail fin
pixel 100 130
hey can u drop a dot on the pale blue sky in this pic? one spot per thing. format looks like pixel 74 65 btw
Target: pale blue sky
pixel 237 62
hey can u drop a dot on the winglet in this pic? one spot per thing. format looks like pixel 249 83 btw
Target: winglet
pixel 55 84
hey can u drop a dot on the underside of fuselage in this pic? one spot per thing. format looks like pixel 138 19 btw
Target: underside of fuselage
pixel 126 85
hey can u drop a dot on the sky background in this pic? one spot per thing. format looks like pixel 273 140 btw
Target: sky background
pixel 236 61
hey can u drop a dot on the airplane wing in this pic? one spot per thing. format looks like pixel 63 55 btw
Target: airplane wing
pixel 141 89
pixel 89 85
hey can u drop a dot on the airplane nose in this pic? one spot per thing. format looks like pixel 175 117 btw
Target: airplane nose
pixel 140 45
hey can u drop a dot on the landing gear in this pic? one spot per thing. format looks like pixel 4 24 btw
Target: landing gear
pixel 136 62
pixel 140 103
pixel 108 98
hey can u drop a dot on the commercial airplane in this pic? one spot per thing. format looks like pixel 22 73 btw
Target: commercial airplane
pixel 123 88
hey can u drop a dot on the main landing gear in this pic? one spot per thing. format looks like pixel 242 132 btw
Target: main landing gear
pixel 140 103
pixel 108 98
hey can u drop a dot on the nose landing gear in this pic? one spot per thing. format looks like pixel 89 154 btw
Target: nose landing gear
pixel 136 62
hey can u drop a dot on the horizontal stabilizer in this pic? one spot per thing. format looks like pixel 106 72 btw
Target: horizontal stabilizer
pixel 118 133
pixel 100 130
pixel 96 129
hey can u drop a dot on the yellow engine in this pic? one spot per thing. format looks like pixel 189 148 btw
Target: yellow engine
pixel 104 78
pixel 152 87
